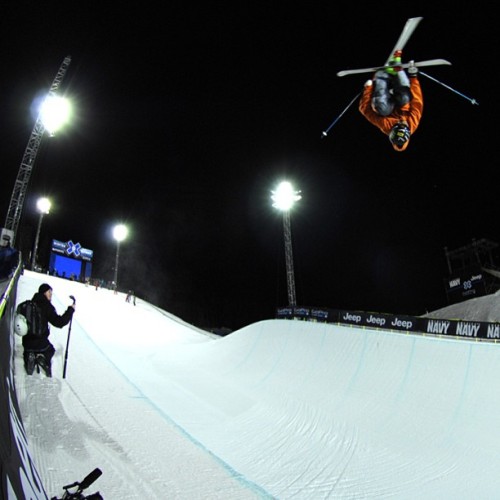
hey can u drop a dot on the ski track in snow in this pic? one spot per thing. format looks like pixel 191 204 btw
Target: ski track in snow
pixel 72 429
pixel 279 409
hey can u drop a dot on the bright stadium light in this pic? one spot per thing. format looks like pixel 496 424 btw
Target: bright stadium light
pixel 18 196
pixel 284 197
pixel 55 112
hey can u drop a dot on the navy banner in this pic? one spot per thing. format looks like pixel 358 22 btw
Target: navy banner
pixel 433 326
pixel 465 286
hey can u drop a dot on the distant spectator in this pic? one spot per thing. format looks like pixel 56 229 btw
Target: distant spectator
pixel 130 297
pixel 9 258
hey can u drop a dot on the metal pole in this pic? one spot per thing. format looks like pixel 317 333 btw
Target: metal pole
pixel 290 279
pixel 470 99
pixel 325 132
pixel 35 248
pixel 23 176
pixel 67 341
pixel 116 263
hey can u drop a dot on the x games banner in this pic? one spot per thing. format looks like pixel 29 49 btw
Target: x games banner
pixel 467 285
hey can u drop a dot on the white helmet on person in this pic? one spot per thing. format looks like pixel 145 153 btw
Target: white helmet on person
pixel 20 325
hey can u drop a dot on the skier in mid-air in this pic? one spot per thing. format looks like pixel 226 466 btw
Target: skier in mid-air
pixel 393 102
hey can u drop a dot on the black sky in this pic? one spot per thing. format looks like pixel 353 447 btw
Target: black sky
pixel 188 116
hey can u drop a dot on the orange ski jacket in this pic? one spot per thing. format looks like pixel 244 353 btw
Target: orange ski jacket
pixel 411 112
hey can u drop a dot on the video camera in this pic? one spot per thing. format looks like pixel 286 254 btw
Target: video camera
pixel 78 487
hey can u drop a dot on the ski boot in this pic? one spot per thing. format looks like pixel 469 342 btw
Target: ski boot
pixel 395 63
pixel 29 363
pixel 412 69
pixel 42 363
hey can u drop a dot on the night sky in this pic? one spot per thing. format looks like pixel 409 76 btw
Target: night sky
pixel 187 116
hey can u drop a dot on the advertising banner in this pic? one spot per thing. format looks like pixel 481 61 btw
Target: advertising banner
pixel 396 322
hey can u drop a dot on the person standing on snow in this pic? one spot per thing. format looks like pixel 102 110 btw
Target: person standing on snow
pixel 9 258
pixel 393 102
pixel 37 348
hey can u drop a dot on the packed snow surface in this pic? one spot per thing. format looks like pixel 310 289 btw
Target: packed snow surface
pixel 279 409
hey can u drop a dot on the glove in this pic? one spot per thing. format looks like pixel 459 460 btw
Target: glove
pixel 412 69
pixel 368 83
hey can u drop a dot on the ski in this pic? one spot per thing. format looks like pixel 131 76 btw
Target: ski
pixel 418 64
pixel 409 28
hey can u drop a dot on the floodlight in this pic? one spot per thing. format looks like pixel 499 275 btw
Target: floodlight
pixel 284 198
pixel 55 112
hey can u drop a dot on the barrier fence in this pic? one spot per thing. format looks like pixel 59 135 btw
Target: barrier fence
pixel 19 476
pixel 20 479
pixel 409 324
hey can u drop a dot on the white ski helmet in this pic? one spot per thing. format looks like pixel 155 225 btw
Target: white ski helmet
pixel 20 325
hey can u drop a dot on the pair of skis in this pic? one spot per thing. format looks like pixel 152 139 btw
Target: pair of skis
pixel 409 28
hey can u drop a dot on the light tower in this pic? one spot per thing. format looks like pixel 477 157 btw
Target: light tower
pixel 284 198
pixel 23 176
pixel 43 205
pixel 120 232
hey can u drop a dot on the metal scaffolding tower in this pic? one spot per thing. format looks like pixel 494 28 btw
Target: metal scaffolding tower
pixel 23 176
pixel 478 253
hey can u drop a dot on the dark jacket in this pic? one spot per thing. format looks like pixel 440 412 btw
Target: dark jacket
pixel 9 259
pixel 49 315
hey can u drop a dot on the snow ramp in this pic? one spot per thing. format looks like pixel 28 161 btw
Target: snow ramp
pixel 280 409
pixel 312 410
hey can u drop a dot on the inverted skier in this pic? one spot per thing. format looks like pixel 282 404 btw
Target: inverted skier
pixel 393 102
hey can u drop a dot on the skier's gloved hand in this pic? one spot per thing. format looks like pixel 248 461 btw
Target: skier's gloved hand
pixel 412 69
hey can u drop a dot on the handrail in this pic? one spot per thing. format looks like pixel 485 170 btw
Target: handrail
pixel 8 290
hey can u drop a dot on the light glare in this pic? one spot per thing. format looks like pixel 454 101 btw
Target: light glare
pixel 285 196
pixel 120 232
pixel 43 205
pixel 55 113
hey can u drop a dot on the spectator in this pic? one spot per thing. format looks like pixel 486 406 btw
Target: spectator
pixel 37 348
pixel 9 258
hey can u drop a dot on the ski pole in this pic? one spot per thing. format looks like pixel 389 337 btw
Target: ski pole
pixel 325 132
pixel 472 101
pixel 67 342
